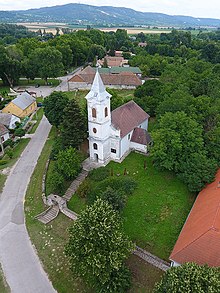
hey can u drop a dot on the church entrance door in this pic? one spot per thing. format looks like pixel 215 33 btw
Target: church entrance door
pixel 96 157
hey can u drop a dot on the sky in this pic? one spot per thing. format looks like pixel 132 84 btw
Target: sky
pixel 196 8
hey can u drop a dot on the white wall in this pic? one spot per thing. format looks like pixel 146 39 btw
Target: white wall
pixel 125 143
pixel 85 86
pixel 138 147
pixel 5 137
pixel 13 120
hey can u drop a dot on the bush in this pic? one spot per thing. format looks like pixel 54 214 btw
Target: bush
pixel 124 185
pixel 19 132
pixel 8 142
pixel 3 162
pixel 84 189
pixel 114 197
pixel 99 174
pixel 9 152
pixel 56 182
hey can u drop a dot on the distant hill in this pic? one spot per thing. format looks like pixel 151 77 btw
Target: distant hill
pixel 103 15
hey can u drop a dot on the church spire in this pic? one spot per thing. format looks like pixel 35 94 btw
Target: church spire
pixel 98 91
pixel 98 85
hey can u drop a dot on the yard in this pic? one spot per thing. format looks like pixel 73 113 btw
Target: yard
pixel 17 150
pixel 157 210
pixel 37 117
pixel 49 240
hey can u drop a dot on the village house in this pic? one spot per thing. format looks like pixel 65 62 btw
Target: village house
pixel 112 135
pixel 118 70
pixel 9 120
pixel 23 105
pixel 199 240
pixel 4 133
pixel 112 61
pixel 117 79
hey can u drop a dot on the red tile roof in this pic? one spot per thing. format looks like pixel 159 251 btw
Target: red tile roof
pixel 141 136
pixel 199 240
pixel 127 117
pixel 3 129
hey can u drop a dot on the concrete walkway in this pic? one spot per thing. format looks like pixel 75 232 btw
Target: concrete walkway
pixel 21 265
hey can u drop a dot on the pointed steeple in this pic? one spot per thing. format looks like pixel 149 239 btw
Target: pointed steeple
pixel 98 85
pixel 98 90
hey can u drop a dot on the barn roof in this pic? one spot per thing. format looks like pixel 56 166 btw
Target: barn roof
pixel 199 240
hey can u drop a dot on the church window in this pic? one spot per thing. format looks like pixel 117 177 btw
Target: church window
pixel 129 136
pixel 93 112
pixel 94 130
pixel 113 151
pixel 106 111
pixel 95 146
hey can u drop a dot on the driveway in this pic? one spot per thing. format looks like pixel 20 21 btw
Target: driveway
pixel 20 263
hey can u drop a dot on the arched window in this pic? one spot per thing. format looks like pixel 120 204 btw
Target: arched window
pixel 94 130
pixel 106 111
pixel 93 112
pixel 95 146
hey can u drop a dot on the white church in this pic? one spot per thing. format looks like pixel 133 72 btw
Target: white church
pixel 112 135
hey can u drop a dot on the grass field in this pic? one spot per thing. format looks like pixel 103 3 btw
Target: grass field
pixel 50 240
pixel 80 95
pixel 156 212
pixel 38 116
pixel 17 150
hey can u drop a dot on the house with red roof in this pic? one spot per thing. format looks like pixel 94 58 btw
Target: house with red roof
pixel 112 135
pixel 199 240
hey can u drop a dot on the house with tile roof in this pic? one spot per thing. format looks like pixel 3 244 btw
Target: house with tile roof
pixel 23 105
pixel 199 240
pixel 112 135
pixel 115 77
pixel 4 133
pixel 9 120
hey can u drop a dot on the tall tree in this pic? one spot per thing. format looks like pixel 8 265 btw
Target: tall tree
pixel 98 247
pixel 54 107
pixel 190 278
pixel 48 62
pixel 74 126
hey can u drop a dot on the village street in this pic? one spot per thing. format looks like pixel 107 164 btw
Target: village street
pixel 21 265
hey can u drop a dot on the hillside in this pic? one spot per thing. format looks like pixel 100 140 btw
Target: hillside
pixel 103 15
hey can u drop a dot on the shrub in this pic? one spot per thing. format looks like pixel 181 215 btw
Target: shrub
pixel 9 142
pixel 99 174
pixel 3 162
pixel 114 197
pixel 84 189
pixel 9 152
pixel 56 182
pixel 19 132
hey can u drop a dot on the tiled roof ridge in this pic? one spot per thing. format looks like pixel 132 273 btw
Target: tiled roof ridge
pixel 184 248
pixel 131 101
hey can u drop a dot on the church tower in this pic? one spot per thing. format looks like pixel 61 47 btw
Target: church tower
pixel 99 121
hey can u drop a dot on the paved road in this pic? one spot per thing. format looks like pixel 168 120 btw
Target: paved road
pixel 20 263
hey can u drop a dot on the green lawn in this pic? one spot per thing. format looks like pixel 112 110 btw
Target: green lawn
pixel 3 285
pixel 49 240
pixel 24 82
pixel 144 275
pixel 80 95
pixel 155 213
pixel 38 116
pixel 17 150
